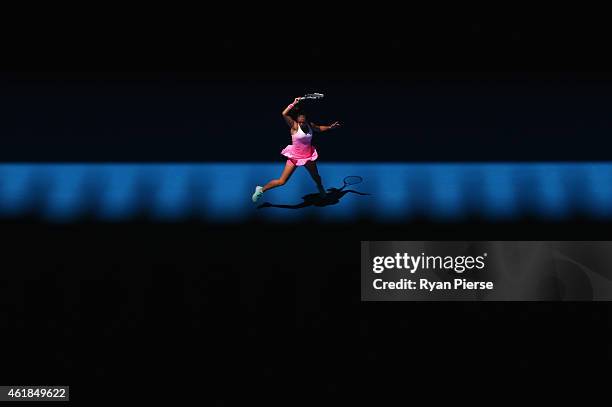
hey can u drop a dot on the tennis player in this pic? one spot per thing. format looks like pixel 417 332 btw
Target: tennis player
pixel 300 152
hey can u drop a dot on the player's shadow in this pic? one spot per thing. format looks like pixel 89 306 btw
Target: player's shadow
pixel 332 197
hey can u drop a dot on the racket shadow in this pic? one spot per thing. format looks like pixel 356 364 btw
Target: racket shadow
pixel 332 197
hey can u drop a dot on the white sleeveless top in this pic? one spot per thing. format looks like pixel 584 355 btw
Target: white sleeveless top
pixel 300 151
pixel 301 137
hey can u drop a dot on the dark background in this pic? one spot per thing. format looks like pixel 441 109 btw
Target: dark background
pixel 196 312
pixel 454 84
pixel 252 311
pixel 236 116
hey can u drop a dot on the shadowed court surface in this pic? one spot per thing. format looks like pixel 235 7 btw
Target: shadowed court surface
pixel 390 192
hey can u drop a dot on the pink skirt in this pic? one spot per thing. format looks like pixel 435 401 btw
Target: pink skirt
pixel 300 155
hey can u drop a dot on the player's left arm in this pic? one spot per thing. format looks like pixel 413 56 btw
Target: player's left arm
pixel 320 128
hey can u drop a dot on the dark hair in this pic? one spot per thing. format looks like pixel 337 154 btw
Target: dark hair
pixel 298 111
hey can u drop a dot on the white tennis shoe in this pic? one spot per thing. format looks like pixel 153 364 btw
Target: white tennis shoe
pixel 258 193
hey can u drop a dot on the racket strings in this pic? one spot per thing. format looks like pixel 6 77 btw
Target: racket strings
pixel 312 96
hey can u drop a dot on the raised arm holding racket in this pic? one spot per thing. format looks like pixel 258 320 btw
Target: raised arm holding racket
pixel 300 152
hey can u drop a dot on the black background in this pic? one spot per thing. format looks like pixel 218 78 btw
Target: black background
pixel 409 84
pixel 236 116
pixel 254 311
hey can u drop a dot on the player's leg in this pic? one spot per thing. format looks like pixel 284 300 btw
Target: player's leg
pixel 311 166
pixel 286 174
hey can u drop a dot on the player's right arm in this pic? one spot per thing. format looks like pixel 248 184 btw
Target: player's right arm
pixel 285 113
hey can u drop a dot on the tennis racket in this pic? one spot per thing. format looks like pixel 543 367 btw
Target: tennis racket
pixel 312 96
pixel 351 180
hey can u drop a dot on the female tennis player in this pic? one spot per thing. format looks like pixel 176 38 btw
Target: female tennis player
pixel 300 152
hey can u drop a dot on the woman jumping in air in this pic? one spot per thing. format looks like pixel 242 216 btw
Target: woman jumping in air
pixel 299 153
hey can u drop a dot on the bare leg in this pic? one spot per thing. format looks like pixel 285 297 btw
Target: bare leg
pixel 289 168
pixel 311 166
